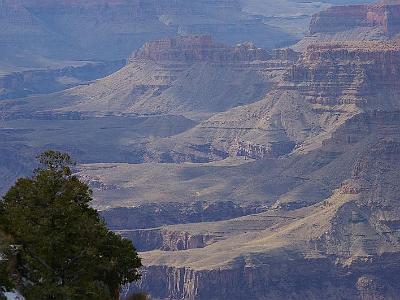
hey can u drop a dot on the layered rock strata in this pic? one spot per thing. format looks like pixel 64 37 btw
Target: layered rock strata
pixel 343 247
pixel 330 83
pixel 199 48
pixel 163 239
pixel 383 15
pixel 54 31
pixel 190 76
pixel 360 73
pixel 152 215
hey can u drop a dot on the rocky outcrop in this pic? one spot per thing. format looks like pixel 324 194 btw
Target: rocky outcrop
pixel 330 83
pixel 255 151
pixel 301 278
pixel 339 18
pixel 110 29
pixel 285 54
pixel 166 240
pixel 356 128
pixel 384 16
pixel 155 214
pixel 346 246
pixel 198 153
pixel 360 73
pixel 198 48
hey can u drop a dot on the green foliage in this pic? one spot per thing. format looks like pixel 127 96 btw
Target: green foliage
pixel 62 248
pixel 6 278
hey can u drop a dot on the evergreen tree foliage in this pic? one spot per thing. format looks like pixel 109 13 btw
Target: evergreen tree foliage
pixel 58 246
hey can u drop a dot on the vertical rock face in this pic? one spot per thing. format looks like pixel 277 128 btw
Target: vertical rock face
pixel 111 29
pixel 254 151
pixel 363 73
pixel 341 18
pixel 343 247
pixel 154 215
pixel 285 54
pixel 198 48
pixel 166 240
pixel 302 279
pixel 328 84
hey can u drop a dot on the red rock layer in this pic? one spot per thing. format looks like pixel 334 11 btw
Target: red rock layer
pixel 340 18
pixel 198 48
pixel 365 74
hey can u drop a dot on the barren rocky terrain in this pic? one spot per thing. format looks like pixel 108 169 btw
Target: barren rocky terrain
pixel 239 171
pixel 41 34
pixel 376 21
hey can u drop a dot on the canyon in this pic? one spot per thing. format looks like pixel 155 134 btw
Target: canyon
pixel 326 203
pixel 42 34
pixel 239 171
pixel 47 33
pixel 362 22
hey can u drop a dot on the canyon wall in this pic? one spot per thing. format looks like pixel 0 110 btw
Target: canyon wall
pixel 314 279
pixel 56 32
pixel 342 244
pixel 166 240
pixel 343 247
pixel 154 214
pixel 328 84
pixel 199 48
pixel 341 18
pixel 360 73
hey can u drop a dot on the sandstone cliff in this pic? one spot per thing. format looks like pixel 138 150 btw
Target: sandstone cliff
pixel 340 18
pixel 191 76
pixel 345 246
pixel 199 48
pixel 361 22
pixel 56 31
pixel 329 227
pixel 360 73
pixel 329 84
pixel 310 212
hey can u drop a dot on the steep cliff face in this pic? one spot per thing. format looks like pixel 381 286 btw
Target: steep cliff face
pixel 342 18
pixel 362 22
pixel 312 210
pixel 335 193
pixel 273 281
pixel 195 88
pixel 191 76
pixel 339 18
pixel 345 246
pixel 256 151
pixel 199 48
pixel 364 74
pixel 108 30
pixel 329 84
pixel 166 240
pixel 152 215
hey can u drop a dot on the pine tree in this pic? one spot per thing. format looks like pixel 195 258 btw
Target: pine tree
pixel 59 245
